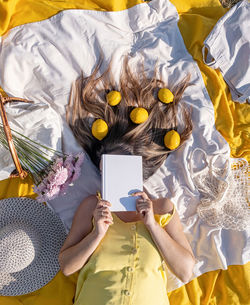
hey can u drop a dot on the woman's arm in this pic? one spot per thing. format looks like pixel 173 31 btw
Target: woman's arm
pixel 83 239
pixel 174 247
pixel 170 240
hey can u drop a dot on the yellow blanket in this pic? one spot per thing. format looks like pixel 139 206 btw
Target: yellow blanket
pixel 197 19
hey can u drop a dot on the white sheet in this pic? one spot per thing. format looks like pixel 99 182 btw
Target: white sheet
pixel 39 61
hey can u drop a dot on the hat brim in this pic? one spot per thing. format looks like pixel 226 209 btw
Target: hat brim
pixel 52 235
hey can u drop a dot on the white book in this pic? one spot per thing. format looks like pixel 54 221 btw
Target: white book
pixel 121 176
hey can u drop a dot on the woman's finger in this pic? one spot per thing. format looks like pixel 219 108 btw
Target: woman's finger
pixel 103 208
pixel 140 201
pixel 107 218
pixel 108 222
pixel 142 194
pixel 143 207
pixel 143 204
pixel 103 213
pixel 103 203
pixel 104 217
pixel 143 212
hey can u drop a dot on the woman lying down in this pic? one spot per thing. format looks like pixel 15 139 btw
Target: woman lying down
pixel 121 255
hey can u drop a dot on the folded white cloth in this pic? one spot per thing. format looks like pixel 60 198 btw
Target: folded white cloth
pixel 227 47
pixel 39 61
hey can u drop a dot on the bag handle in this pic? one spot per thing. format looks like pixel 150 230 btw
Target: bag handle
pixel 3 100
pixel 209 163
pixel 211 170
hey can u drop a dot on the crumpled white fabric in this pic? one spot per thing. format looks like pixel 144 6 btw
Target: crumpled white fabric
pixel 228 49
pixel 39 61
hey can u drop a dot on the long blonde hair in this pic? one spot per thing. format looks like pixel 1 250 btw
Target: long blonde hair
pixel 88 100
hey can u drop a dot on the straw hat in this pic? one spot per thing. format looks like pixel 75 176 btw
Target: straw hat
pixel 31 236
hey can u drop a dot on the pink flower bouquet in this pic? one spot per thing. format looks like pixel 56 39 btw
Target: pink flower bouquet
pixel 52 171
pixel 58 176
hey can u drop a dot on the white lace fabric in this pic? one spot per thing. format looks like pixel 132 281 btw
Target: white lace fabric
pixel 224 193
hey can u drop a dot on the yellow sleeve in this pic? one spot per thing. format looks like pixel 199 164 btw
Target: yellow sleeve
pixel 164 219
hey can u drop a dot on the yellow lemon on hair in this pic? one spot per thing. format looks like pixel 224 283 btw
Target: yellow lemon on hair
pixel 114 98
pixel 139 115
pixel 99 129
pixel 172 139
pixel 165 96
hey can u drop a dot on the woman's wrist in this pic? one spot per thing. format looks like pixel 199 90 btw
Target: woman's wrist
pixel 97 234
pixel 152 226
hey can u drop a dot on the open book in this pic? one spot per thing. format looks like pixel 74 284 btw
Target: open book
pixel 121 176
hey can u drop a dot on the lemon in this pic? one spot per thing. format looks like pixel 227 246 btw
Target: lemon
pixel 99 129
pixel 165 95
pixel 172 139
pixel 139 115
pixel 114 98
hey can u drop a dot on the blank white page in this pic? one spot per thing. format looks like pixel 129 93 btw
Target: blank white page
pixel 121 176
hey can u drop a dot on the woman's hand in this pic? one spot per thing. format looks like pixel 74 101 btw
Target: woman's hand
pixel 102 217
pixel 144 207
